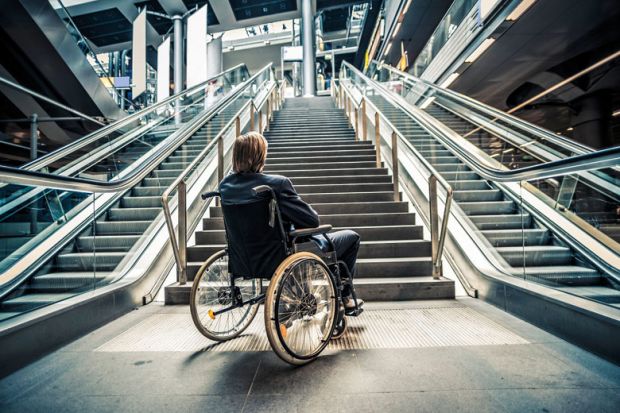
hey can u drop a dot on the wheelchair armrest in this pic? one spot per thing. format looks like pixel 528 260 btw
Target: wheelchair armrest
pixel 210 194
pixel 305 232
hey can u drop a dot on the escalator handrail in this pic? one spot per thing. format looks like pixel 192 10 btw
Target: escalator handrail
pixel 580 163
pixel 34 178
pixel 512 120
pixel 112 127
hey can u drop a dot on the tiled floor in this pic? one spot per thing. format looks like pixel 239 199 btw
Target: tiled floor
pixel 115 370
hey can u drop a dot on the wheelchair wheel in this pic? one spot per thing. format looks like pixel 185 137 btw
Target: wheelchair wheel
pixel 212 291
pixel 300 308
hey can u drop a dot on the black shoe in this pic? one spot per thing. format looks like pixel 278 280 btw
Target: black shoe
pixel 350 308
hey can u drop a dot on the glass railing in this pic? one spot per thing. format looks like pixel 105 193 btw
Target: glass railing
pixel 590 199
pixel 29 215
pixel 524 220
pixel 91 231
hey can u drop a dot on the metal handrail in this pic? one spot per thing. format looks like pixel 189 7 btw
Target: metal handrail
pixel 437 236
pixel 33 178
pixel 179 241
pixel 559 140
pixel 98 134
pixel 580 163
pixel 23 89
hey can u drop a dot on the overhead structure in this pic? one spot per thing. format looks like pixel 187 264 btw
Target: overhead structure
pixel 307 33
pixel 138 60
pixel 197 44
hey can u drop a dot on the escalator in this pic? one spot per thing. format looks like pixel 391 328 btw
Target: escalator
pixel 508 236
pixel 93 240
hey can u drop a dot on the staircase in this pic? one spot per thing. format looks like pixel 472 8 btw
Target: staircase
pixel 522 241
pixel 87 262
pixel 311 142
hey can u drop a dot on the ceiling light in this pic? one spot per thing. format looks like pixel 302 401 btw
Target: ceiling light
pixel 387 48
pixel 520 9
pixel 449 80
pixel 570 129
pixel 479 50
pixel 396 29
pixel 427 102
pixel 407 6
pixel 616 113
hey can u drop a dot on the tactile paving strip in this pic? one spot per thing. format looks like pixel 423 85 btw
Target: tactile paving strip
pixel 374 329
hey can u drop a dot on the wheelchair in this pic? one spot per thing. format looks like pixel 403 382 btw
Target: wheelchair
pixel 303 300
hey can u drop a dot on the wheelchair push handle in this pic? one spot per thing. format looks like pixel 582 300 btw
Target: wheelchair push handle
pixel 210 194
pixel 260 189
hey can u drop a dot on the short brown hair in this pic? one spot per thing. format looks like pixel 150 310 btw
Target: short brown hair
pixel 249 153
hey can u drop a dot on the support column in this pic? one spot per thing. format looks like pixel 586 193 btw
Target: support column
pixel 178 53
pixel 34 136
pixel 214 57
pixel 309 67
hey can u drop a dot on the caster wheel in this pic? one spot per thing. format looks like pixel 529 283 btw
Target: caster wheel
pixel 340 329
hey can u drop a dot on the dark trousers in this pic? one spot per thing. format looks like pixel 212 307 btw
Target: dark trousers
pixel 347 244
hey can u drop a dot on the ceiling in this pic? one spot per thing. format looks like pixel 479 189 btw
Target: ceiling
pixel 553 40
pixel 417 26
pixel 107 24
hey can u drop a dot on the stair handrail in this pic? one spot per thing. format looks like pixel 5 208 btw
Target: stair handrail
pixel 603 158
pixel 438 235
pixel 114 126
pixel 23 89
pixel 178 240
pixel 576 164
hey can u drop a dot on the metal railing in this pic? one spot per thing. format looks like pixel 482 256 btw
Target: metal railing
pixel 178 239
pixel 580 163
pixel 353 109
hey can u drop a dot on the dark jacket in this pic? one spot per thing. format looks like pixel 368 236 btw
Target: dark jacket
pixel 237 189
pixel 255 248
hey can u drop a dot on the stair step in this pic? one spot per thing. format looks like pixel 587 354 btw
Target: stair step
pixel 29 302
pixel 293 174
pixel 101 243
pixel 121 227
pixel 279 167
pixel 383 233
pixel 349 208
pixel 133 214
pixel 486 208
pixel 501 221
pixel 67 281
pixel 80 261
pixel 141 201
pixel 516 237
pixel 343 188
pixel 536 255
pixel 478 195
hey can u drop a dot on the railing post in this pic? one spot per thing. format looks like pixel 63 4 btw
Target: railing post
pixel 364 136
pixel 252 116
pixel 182 231
pixel 357 125
pixel 434 215
pixel 378 139
pixel 395 165
pixel 260 121
pixel 268 114
pixel 220 158
pixel 237 126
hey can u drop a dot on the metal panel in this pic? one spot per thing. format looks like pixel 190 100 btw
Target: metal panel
pixel 138 57
pixel 197 47
pixel 434 324
pixel 163 70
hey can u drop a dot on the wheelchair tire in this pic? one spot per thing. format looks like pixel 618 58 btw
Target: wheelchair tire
pixel 340 329
pixel 211 291
pixel 299 320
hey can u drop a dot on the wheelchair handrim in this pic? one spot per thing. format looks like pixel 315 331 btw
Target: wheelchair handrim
pixel 332 314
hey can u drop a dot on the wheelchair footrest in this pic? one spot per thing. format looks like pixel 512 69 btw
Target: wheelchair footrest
pixel 354 312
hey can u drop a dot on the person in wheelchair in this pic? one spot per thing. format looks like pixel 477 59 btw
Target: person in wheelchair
pixel 248 161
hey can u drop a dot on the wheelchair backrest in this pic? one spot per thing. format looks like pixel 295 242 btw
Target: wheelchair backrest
pixel 256 245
